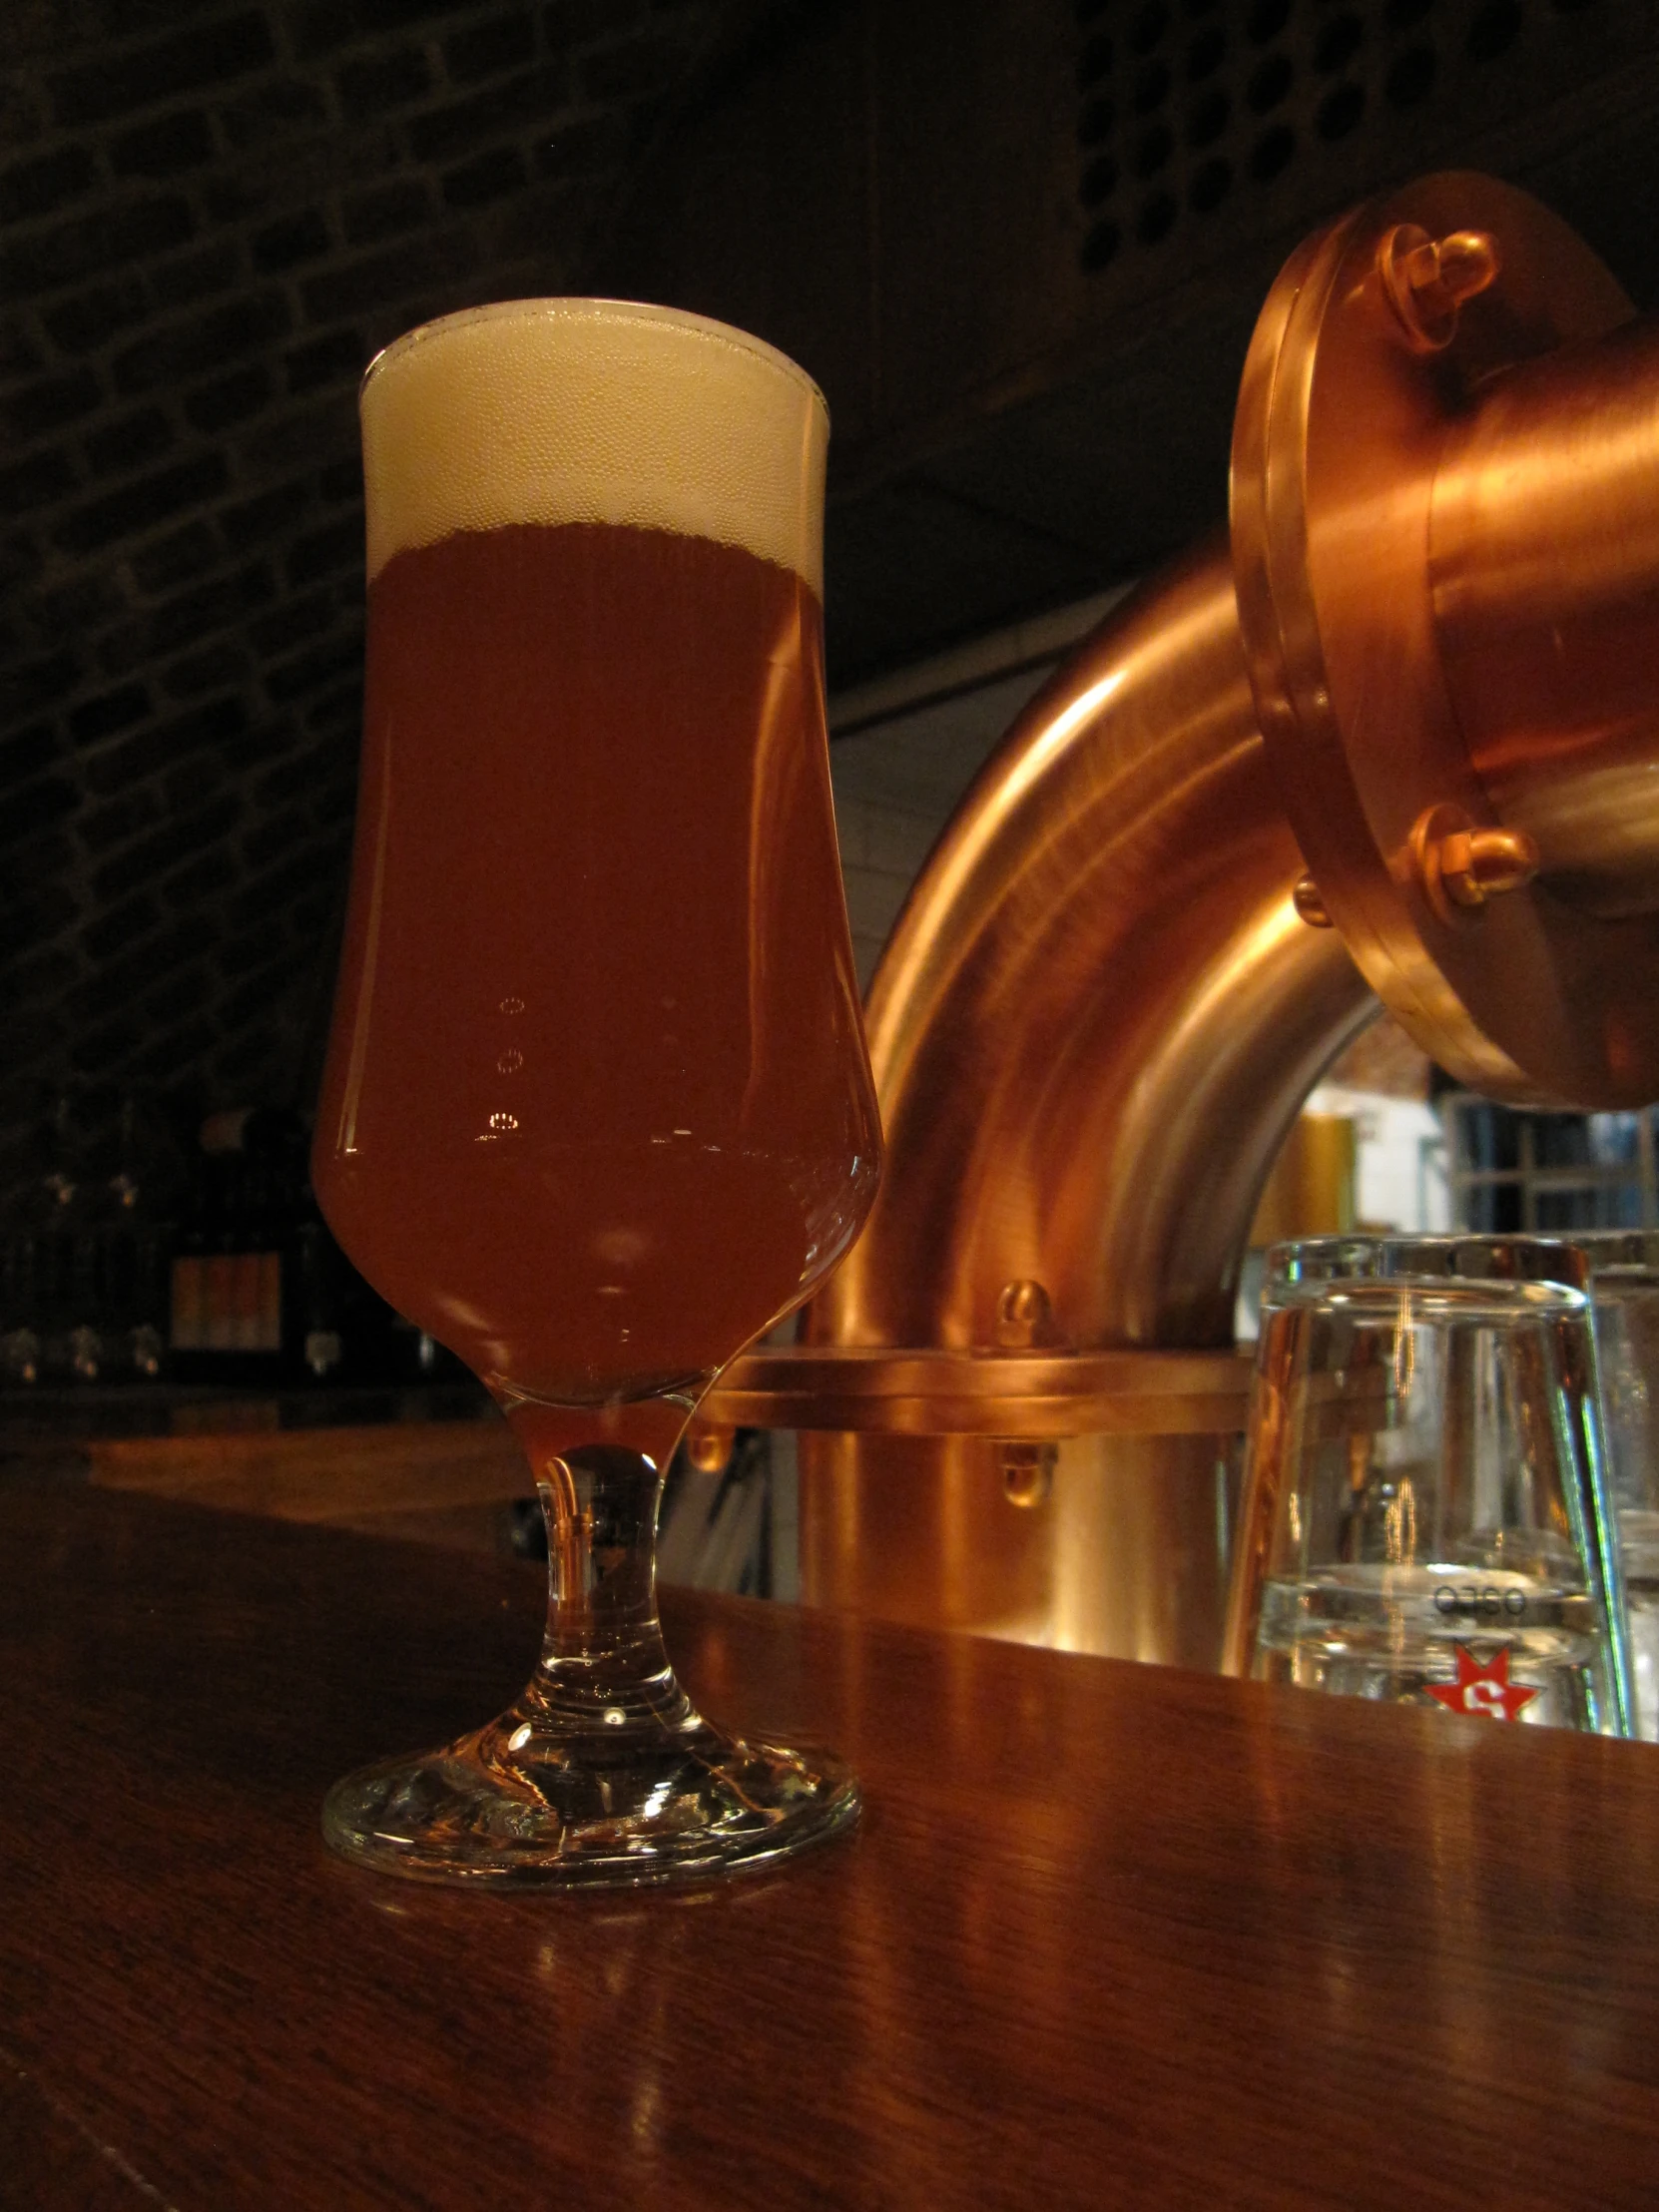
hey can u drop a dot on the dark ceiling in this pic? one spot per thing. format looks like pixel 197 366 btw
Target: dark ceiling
pixel 1022 245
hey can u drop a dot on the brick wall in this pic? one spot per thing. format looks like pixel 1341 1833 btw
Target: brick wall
pixel 213 216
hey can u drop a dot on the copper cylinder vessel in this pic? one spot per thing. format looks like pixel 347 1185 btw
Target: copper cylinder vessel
pixel 1396 737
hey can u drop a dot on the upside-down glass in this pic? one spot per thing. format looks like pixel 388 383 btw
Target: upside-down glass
pixel 1425 1515
pixel 597 1107
pixel 1624 1281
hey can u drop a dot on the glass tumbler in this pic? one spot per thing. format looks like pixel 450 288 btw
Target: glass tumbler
pixel 1624 1278
pixel 1427 1519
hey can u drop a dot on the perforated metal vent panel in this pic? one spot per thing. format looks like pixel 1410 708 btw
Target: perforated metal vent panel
pixel 1227 117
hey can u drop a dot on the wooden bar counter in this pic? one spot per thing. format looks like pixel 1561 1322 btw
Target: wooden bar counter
pixel 1108 1935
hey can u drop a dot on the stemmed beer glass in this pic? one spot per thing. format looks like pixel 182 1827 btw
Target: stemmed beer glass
pixel 597 1107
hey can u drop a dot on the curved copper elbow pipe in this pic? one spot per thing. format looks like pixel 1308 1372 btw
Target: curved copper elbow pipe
pixel 1101 1009
pixel 1099 1013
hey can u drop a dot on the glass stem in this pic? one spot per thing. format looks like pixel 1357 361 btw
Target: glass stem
pixel 601 1773
pixel 603 1665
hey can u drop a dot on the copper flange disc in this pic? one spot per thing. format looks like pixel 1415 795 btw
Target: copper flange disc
pixel 1341 424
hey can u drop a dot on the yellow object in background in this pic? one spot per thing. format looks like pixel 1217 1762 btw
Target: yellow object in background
pixel 1310 1189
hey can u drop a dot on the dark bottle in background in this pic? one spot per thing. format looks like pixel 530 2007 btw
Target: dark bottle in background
pixel 37 1220
pixel 54 1220
pixel 64 1216
pixel 135 1237
pixel 233 1253
pixel 84 1245
pixel 320 1299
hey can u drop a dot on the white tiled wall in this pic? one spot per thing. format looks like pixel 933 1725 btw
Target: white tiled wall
pixel 898 785
pixel 1400 1159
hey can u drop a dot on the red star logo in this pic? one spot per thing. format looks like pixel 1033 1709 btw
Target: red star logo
pixel 1482 1689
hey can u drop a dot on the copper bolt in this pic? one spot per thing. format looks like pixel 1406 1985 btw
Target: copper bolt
pixel 1427 280
pixel 1462 867
pixel 709 1447
pixel 1475 864
pixel 1305 898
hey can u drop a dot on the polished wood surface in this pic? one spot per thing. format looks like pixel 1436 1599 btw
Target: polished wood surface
pixel 1108 1936
pixel 350 1475
pixel 433 1464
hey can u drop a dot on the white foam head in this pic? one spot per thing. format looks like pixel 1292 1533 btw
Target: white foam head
pixel 594 410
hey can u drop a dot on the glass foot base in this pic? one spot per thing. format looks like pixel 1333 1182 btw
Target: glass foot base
pixel 514 1807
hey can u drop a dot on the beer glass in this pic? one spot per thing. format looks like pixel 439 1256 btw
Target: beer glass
pixel 1625 1281
pixel 1425 1515
pixel 597 1108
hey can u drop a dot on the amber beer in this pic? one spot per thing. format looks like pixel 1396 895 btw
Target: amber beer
pixel 586 1117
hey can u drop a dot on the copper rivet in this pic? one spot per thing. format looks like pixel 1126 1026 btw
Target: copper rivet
pixel 1305 898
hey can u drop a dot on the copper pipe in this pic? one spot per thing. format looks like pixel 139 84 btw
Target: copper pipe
pixel 1097 1016
pixel 1100 1011
pixel 1103 1005
pixel 1544 562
